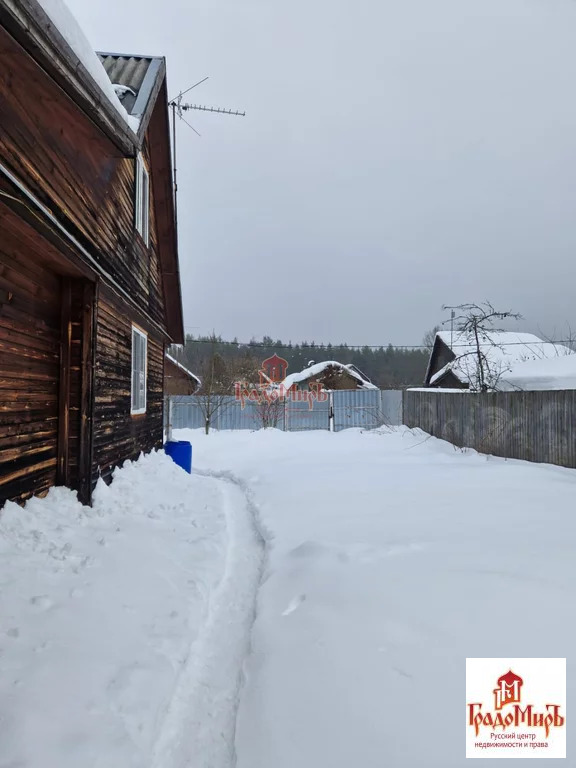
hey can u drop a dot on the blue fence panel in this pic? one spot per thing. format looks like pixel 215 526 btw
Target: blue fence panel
pixel 300 416
pixel 228 413
pixel 351 408
pixel 225 417
pixel 186 413
pixel 235 416
pixel 391 407
pixel 357 408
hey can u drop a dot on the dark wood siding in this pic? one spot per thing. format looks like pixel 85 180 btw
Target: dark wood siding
pixel 45 363
pixel 74 169
pixel 448 381
pixel 441 356
pixel 117 434
pixel 68 296
pixel 29 372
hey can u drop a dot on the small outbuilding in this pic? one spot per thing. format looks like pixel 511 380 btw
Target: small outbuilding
pixel 178 380
pixel 330 375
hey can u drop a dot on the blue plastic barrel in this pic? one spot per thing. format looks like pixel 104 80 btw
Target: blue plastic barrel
pixel 180 451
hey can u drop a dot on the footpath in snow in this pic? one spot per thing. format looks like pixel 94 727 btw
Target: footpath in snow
pixel 124 627
pixel 157 631
pixel 391 558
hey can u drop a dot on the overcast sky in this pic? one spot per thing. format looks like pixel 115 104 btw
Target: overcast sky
pixel 396 155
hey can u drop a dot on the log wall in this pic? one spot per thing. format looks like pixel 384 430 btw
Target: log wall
pixel 72 167
pixel 29 373
pixel 117 434
pixel 65 356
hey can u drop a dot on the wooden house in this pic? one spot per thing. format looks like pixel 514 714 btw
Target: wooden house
pixel 89 282
pixel 456 358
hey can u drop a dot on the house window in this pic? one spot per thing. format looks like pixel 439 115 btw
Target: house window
pixel 139 360
pixel 142 203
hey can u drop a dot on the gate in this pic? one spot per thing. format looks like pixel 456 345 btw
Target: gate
pixel 357 408
pixel 298 416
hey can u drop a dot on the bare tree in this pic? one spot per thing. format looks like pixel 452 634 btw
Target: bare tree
pixel 269 409
pixel 217 384
pixel 475 323
pixel 245 369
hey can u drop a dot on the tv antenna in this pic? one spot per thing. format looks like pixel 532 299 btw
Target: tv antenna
pixel 178 108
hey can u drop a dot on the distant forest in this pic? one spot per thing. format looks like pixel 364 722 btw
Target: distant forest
pixel 387 367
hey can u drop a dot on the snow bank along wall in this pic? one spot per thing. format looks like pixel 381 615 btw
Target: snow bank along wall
pixel 534 426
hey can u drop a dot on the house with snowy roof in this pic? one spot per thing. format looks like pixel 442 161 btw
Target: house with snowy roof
pixel 330 375
pixel 89 281
pixel 456 358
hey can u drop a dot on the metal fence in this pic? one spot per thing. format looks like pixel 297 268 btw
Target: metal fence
pixel 342 409
pixel 535 426
pixel 356 408
pixel 299 416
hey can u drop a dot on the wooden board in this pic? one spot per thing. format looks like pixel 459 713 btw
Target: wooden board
pixel 58 153
pixel 29 377
pixel 117 434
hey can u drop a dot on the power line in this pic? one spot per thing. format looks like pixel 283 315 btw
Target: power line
pixel 313 345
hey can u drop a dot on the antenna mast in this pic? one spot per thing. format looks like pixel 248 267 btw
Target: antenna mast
pixel 178 108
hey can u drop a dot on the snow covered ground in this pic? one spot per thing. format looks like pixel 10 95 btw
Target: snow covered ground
pixel 391 558
pixel 123 628
pixel 157 631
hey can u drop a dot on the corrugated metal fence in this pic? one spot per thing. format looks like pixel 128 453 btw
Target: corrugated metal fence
pixel 535 426
pixel 350 408
pixel 298 416
pixel 366 408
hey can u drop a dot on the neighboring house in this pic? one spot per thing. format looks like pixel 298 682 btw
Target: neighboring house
pixel 454 359
pixel 178 380
pixel 330 375
pixel 89 283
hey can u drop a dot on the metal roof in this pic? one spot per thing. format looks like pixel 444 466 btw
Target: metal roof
pixel 137 74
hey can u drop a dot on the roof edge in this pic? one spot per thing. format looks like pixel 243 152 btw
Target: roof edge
pixel 149 89
pixel 162 184
pixel 34 30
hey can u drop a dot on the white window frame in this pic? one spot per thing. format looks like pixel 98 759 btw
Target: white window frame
pixel 138 392
pixel 142 199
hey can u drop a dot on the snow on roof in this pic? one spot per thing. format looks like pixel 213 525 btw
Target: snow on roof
pixel 182 368
pixel 70 30
pixel 318 368
pixel 554 373
pixel 502 351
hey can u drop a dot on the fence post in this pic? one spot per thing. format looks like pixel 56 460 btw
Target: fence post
pixel 169 430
